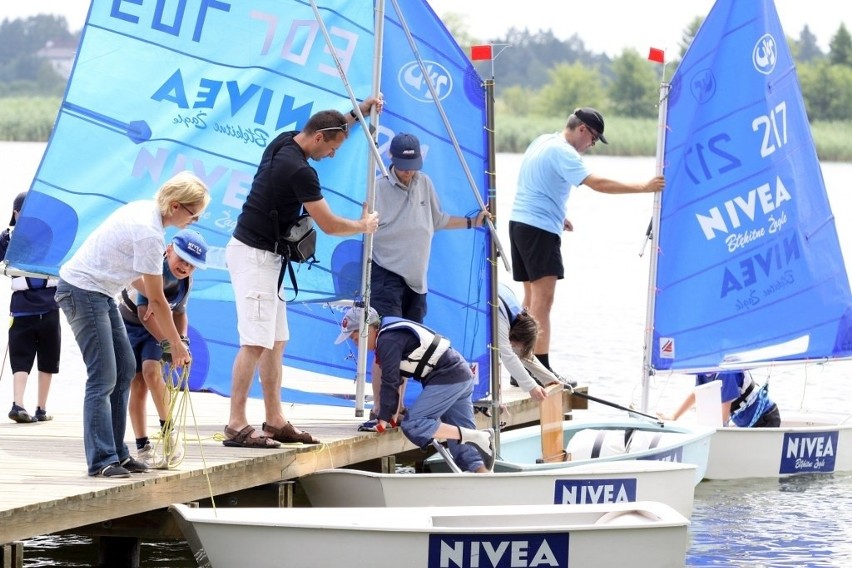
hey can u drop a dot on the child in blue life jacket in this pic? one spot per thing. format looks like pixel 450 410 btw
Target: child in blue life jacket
pixel 744 402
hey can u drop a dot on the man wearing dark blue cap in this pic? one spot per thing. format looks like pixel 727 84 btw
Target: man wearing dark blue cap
pixel 410 214
pixel 551 168
pixel 185 253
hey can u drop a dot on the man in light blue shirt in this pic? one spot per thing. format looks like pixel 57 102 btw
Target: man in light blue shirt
pixel 551 168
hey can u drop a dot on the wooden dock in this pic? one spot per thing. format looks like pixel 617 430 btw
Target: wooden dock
pixel 44 488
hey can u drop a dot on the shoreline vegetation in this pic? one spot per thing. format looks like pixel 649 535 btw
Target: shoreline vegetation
pixel 30 119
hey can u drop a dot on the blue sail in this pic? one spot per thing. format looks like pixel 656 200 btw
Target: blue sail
pixel 203 86
pixel 749 265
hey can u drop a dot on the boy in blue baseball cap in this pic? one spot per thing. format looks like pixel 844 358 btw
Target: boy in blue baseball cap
pixel 186 252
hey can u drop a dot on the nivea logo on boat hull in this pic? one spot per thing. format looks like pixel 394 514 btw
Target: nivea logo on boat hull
pixel 675 455
pixel 528 550
pixel 812 452
pixel 413 82
pixel 594 491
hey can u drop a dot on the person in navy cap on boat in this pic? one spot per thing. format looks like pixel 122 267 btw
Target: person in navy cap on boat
pixel 443 411
pixel 744 403
pixel 551 168
pixel 35 331
pixel 411 213
pixel 186 252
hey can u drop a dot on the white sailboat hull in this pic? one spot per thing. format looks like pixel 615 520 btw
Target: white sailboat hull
pixel 618 481
pixel 599 441
pixel 804 444
pixel 638 535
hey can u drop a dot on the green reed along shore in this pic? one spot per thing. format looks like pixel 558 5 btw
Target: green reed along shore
pixel 30 119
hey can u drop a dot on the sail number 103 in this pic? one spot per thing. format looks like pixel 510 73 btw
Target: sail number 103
pixel 703 161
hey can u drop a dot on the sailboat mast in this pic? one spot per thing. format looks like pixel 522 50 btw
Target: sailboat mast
pixel 494 300
pixel 367 264
pixel 654 235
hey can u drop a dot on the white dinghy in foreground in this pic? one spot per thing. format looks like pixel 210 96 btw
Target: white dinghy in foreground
pixel 610 482
pixel 556 536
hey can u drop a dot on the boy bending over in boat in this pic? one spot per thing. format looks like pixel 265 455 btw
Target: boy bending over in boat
pixel 444 410
pixel 185 253
pixel 744 402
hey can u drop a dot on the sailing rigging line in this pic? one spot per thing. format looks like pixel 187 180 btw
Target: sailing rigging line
pixel 355 105
pixel 428 80
pixel 177 385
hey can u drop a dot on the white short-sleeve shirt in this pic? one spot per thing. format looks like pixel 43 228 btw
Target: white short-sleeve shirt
pixel 127 245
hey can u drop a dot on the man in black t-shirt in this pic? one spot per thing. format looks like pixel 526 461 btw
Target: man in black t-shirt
pixel 284 183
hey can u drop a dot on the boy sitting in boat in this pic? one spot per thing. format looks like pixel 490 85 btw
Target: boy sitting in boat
pixel 744 403
pixel 443 411
pixel 185 253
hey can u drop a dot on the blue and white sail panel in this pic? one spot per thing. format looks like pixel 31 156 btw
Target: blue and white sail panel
pixel 459 273
pixel 749 267
pixel 200 85
pixel 204 85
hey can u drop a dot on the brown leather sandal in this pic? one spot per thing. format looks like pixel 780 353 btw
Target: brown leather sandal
pixel 289 435
pixel 244 439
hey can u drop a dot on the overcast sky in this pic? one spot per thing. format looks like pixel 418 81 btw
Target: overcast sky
pixel 604 25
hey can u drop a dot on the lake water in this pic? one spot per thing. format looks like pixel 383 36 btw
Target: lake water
pixel 597 339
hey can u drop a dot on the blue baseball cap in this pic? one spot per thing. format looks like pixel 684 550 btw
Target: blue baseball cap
pixel 190 246
pixel 405 152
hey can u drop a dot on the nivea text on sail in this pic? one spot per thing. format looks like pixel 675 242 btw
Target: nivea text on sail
pixel 527 550
pixel 252 97
pixel 734 212
pixel 748 271
pixel 261 103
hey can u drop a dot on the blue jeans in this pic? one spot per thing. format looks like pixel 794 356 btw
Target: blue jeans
pixel 449 404
pixel 110 366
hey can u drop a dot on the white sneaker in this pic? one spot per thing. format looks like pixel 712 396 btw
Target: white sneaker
pixel 482 440
pixel 172 450
pixel 146 455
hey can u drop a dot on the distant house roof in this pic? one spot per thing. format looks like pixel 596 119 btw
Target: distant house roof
pixel 60 55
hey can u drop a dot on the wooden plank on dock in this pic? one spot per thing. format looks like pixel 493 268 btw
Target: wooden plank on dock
pixel 44 487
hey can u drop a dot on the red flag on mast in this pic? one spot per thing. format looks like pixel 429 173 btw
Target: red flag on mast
pixel 657 55
pixel 480 52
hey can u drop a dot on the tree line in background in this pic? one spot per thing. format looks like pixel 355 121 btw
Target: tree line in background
pixel 541 75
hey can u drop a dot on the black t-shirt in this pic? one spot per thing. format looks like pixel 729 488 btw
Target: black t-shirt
pixel 283 182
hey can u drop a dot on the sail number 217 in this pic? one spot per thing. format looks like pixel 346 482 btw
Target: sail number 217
pixel 774 127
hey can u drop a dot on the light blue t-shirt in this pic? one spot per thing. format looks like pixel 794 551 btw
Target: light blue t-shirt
pixel 551 168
